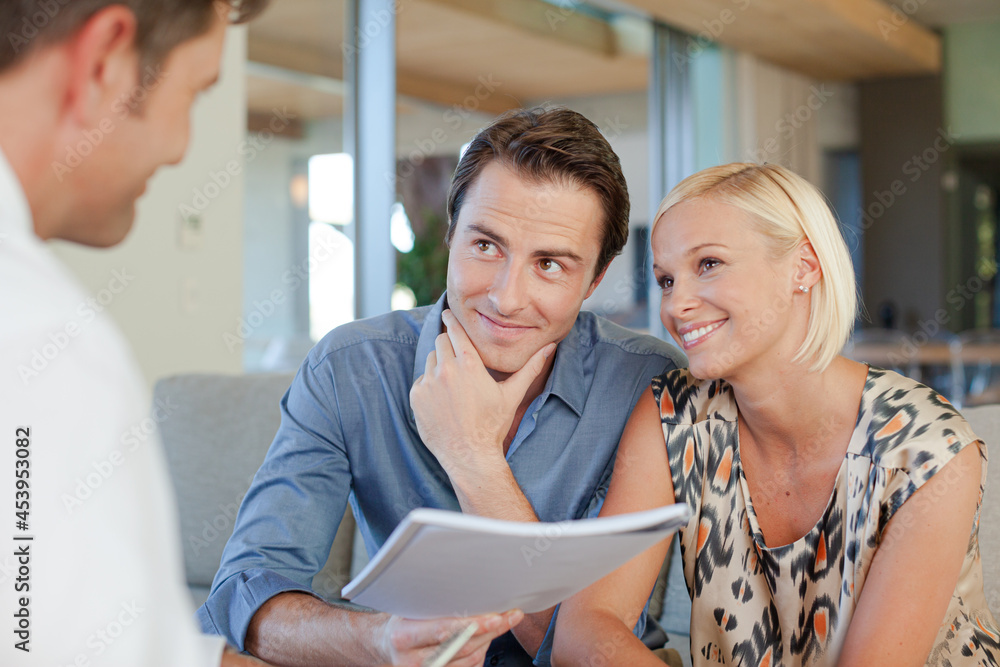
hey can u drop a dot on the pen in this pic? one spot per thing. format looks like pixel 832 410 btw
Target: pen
pixel 451 646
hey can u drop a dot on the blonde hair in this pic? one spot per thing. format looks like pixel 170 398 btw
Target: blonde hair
pixel 786 209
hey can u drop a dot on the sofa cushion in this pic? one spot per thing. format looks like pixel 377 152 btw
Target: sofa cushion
pixel 985 421
pixel 216 430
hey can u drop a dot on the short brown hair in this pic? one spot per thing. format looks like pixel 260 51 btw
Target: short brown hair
pixel 546 146
pixel 162 24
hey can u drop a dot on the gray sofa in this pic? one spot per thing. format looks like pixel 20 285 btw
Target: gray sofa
pixel 985 421
pixel 216 430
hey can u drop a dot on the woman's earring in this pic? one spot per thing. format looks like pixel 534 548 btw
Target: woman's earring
pixel 803 289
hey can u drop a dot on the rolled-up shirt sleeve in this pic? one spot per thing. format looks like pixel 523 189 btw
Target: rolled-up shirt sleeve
pixel 291 512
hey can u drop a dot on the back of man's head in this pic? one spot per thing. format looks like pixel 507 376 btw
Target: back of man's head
pixel 161 24
pixel 111 84
pixel 545 146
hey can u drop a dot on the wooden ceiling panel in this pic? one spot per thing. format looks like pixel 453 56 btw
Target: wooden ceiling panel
pixel 448 50
pixel 825 39
pixel 264 94
pixel 319 23
pixel 528 63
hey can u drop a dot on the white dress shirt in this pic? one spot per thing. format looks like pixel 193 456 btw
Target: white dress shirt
pixel 105 581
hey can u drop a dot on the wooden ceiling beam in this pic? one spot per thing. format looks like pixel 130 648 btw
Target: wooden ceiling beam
pixel 480 95
pixel 893 27
pixel 825 39
pixel 564 25
pixel 327 62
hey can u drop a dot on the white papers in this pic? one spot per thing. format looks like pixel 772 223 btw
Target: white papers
pixel 439 563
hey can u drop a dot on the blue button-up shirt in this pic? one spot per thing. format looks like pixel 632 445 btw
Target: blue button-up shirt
pixel 347 434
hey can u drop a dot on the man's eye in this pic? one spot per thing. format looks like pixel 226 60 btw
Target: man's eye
pixel 486 247
pixel 549 266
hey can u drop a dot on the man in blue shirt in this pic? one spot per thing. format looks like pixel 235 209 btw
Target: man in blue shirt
pixel 502 400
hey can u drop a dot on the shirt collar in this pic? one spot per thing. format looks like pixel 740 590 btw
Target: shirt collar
pixel 566 380
pixel 428 333
pixel 15 214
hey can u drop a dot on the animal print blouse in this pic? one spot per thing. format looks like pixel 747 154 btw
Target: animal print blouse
pixel 791 605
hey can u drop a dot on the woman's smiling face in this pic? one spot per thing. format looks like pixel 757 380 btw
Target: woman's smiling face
pixel 726 299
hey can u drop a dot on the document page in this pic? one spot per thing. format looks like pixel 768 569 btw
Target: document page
pixel 440 563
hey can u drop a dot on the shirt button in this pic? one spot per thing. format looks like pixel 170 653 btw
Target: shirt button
pixel 495 660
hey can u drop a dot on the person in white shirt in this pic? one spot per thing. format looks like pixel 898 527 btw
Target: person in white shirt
pixel 94 97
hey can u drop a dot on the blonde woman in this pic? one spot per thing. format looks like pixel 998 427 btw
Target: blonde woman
pixel 834 506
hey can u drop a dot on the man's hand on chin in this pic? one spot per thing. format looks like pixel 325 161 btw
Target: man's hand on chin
pixel 462 413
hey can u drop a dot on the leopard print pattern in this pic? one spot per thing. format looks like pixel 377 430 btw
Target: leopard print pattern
pixel 757 606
